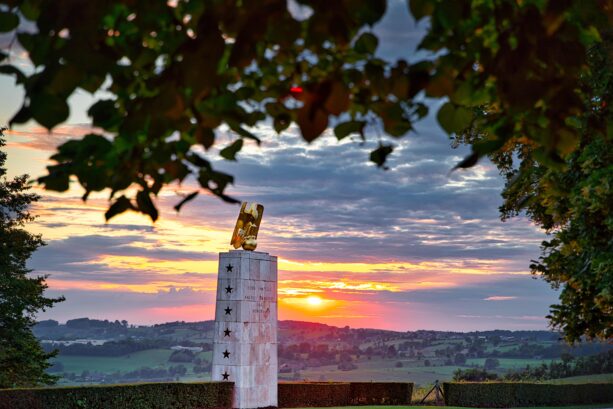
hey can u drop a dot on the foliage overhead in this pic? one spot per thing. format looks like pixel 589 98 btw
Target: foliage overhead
pixel 177 71
pixel 22 360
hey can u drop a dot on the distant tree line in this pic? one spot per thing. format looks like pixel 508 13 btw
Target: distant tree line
pixel 111 348
pixel 568 366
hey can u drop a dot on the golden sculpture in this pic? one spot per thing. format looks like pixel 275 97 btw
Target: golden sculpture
pixel 247 226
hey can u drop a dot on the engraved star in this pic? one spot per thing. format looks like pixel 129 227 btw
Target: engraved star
pixel 227 332
pixel 226 354
pixel 228 310
pixel 225 375
pixel 229 268
pixel 229 290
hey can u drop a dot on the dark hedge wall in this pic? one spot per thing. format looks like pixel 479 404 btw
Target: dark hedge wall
pixel 203 395
pixel 501 395
pixel 308 394
pixel 380 393
pixel 132 396
pixel 322 394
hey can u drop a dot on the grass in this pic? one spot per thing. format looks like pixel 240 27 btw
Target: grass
pixel 511 363
pixel 384 370
pixel 601 406
pixel 605 378
pixel 151 358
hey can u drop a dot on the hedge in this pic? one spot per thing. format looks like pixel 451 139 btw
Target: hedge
pixel 501 395
pixel 131 396
pixel 203 395
pixel 380 393
pixel 322 394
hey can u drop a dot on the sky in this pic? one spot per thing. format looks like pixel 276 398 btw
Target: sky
pixel 413 247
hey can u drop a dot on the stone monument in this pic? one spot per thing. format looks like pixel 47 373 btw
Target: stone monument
pixel 245 339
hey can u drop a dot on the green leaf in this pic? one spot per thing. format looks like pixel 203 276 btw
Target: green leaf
pixel 30 9
pixel 104 114
pixel 229 152
pixel 22 116
pixel 454 119
pixel 468 162
pixel 282 122
pixel 145 205
pixel 186 199
pixel 38 47
pixel 368 12
pixel 65 80
pixel 346 128
pixel 119 206
pixel 488 146
pixel 8 21
pixel 58 178
pixel 394 119
pixel 421 8
pixel 467 95
pixel 204 136
pixel 366 44
pixel 379 155
pixel 20 77
pixel 49 110
pixel 448 13
pixel 91 83
pixel 245 133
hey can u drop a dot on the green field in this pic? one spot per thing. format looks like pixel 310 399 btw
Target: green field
pixel 511 363
pixel 605 378
pixel 412 370
pixel 375 369
pixel 381 370
pixel 153 358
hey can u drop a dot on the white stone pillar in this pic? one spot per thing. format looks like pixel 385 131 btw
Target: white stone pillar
pixel 245 340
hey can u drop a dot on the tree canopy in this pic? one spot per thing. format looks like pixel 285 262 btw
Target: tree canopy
pixel 23 362
pixel 572 202
pixel 178 70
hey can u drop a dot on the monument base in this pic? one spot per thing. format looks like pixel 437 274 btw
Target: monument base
pixel 245 339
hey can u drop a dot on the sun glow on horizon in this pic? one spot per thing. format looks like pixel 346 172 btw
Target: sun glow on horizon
pixel 314 300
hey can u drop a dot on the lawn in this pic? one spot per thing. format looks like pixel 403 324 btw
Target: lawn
pixel 601 406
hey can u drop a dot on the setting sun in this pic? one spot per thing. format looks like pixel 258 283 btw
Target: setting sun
pixel 314 301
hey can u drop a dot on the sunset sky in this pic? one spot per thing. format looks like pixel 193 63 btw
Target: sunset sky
pixel 410 248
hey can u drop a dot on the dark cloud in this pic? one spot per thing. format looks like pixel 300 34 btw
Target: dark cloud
pixel 77 259
pixel 324 202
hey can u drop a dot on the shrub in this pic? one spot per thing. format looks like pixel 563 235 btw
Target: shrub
pixel 380 393
pixel 500 395
pixel 491 363
pixel 182 355
pixel 313 394
pixel 136 396
pixel 474 375
pixel 322 394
